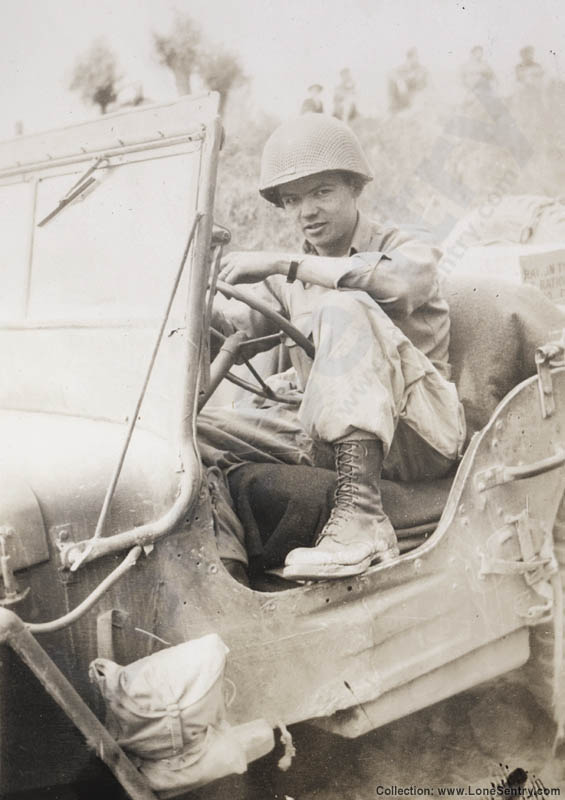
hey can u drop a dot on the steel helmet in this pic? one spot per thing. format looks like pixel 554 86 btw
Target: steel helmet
pixel 307 145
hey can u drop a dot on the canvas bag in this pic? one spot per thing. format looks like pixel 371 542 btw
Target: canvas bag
pixel 168 710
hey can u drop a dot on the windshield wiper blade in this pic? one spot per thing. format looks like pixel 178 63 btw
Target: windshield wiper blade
pixel 66 200
pixel 78 187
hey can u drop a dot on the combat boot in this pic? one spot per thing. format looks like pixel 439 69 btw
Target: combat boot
pixel 358 531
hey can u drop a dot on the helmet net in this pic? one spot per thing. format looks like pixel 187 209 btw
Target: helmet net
pixel 308 145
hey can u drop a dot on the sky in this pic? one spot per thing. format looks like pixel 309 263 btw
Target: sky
pixel 284 45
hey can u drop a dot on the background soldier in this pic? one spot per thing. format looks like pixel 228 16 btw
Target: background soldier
pixel 476 74
pixel 313 103
pixel 529 74
pixel 406 81
pixel 344 96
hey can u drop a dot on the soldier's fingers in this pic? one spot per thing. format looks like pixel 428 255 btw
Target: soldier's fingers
pixel 229 274
pixel 224 271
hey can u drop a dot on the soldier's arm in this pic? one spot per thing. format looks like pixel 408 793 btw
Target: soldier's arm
pixel 402 276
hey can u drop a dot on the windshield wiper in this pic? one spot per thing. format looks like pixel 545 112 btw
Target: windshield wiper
pixel 81 185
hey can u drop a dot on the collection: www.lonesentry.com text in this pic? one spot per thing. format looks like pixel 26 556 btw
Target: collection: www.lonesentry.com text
pixel 468 791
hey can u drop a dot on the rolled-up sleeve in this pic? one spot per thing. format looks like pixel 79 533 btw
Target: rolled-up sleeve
pixel 401 277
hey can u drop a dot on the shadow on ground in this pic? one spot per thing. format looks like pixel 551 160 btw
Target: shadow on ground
pixel 472 742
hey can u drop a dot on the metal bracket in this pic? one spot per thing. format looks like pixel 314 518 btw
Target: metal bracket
pixel 546 357
pixel 105 624
pixel 63 535
pixel 531 555
pixel 12 595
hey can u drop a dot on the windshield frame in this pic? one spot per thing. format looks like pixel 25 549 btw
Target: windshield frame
pixel 190 119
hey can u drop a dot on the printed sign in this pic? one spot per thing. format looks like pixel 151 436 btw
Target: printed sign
pixel 547 272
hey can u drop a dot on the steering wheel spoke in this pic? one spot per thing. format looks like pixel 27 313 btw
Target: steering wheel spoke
pixel 258 305
pixel 233 348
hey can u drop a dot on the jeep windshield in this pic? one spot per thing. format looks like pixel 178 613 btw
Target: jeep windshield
pixel 101 324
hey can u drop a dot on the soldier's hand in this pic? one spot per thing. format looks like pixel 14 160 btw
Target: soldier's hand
pixel 245 267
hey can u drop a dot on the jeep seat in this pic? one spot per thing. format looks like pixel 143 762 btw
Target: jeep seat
pixel 495 329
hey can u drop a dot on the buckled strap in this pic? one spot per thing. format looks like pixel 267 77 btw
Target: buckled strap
pixel 501 566
pixel 175 727
pixel 190 754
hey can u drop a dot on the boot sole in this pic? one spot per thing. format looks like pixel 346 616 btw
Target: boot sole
pixel 307 572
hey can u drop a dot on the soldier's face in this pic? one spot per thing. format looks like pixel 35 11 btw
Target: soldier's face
pixel 325 208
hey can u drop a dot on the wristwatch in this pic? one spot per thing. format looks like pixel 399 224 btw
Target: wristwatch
pixel 292 270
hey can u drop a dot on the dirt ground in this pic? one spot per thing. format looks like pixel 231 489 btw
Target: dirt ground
pixel 482 741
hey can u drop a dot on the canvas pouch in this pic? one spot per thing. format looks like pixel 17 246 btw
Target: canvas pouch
pixel 168 711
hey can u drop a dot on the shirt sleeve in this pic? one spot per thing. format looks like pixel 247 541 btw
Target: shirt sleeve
pixel 401 277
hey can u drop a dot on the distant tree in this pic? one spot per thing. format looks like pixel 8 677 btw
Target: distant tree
pixel 186 52
pixel 95 76
pixel 179 50
pixel 221 71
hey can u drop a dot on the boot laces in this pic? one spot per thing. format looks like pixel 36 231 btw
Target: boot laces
pixel 345 490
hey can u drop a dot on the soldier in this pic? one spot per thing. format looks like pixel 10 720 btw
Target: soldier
pixel 313 103
pixel 406 81
pixel 344 96
pixel 476 74
pixel 377 390
pixel 529 74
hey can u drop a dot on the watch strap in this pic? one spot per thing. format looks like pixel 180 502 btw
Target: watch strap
pixel 292 270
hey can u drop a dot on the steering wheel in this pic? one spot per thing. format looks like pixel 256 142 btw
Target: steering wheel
pixel 221 367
